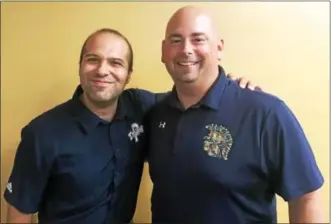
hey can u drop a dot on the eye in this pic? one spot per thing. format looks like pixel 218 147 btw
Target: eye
pixel 117 63
pixel 199 40
pixel 175 40
pixel 92 59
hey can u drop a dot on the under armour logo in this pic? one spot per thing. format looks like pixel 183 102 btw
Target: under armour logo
pixel 136 130
pixel 162 124
pixel 9 187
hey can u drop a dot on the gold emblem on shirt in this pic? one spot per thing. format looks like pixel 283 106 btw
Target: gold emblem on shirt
pixel 218 142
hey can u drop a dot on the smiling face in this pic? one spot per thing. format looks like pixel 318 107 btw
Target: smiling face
pixel 104 69
pixel 190 50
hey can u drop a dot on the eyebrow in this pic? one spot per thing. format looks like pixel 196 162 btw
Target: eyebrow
pixel 111 58
pixel 118 59
pixel 199 34
pixel 174 35
pixel 90 55
pixel 195 34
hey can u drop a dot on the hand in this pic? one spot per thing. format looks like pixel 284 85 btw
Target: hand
pixel 244 83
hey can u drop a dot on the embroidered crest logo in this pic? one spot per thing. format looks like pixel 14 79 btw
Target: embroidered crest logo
pixel 136 130
pixel 218 142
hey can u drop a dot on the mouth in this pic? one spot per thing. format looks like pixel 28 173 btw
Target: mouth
pixel 101 83
pixel 187 63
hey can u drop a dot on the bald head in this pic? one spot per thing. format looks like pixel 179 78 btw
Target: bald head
pixel 191 49
pixel 189 16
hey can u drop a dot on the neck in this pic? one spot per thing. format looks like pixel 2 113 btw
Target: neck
pixel 191 93
pixel 105 111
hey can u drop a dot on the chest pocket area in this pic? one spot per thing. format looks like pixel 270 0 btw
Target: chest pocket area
pixel 128 141
pixel 133 144
pixel 83 166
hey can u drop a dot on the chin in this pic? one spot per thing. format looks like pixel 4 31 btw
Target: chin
pixel 104 98
pixel 188 79
pixel 185 81
pixel 104 102
pixel 107 98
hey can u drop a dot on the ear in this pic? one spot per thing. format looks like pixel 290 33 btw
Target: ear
pixel 220 46
pixel 162 53
pixel 79 69
pixel 129 77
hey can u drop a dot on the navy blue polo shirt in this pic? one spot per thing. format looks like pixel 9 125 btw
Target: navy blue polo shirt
pixel 224 159
pixel 73 167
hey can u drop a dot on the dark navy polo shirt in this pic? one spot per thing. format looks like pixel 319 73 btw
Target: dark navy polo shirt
pixel 224 159
pixel 73 167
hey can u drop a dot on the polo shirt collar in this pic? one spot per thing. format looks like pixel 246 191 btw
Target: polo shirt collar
pixel 87 119
pixel 212 98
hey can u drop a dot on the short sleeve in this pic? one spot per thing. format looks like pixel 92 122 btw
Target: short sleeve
pixel 29 174
pixel 288 156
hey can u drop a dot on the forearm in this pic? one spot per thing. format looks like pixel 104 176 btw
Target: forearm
pixel 307 209
pixel 15 216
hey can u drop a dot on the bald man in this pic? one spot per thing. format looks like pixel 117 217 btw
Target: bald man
pixel 219 153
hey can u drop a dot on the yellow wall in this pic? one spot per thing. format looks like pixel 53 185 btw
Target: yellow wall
pixel 284 47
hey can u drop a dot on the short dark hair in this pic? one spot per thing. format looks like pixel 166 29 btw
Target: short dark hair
pixel 111 31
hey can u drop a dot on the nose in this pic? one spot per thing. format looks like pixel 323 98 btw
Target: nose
pixel 103 68
pixel 187 47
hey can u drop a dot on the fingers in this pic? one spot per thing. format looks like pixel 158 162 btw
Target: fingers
pixel 250 85
pixel 244 83
pixel 231 76
pixel 258 88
